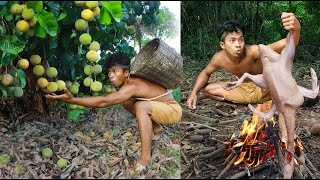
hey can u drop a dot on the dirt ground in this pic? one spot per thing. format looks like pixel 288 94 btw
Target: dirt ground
pixel 222 119
pixel 104 145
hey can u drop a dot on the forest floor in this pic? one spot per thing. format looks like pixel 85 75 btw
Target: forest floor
pixel 104 145
pixel 204 138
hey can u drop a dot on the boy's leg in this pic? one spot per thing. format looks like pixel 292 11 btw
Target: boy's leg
pixel 214 91
pixel 143 112
pixel 129 105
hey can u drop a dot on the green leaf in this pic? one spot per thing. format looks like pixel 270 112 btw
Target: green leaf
pixel 22 77
pixel 7 58
pixel 114 7
pixel 11 47
pixel 36 5
pixel 48 22
pixel 39 31
pixel 3 2
pixel 60 104
pixel 75 114
pixel 105 17
pixel 61 16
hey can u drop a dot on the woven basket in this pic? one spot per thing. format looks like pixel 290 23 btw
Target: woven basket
pixel 159 63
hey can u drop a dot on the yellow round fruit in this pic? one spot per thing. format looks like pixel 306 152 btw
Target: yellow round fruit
pixel 74 89
pixel 88 69
pixel 76 83
pixel 87 15
pixel 35 59
pixel 42 82
pixel 92 56
pixel 97 69
pixel 23 63
pixel 87 81
pixel 92 4
pixel 30 33
pixel 96 11
pixel 96 86
pixel 85 39
pixel 23 6
pixel 16 9
pixel 62 163
pixel 52 87
pixel 33 22
pixel 81 25
pixel 4 159
pixel 18 92
pixel 38 70
pixel 47 152
pixel 113 90
pixel 68 84
pixel 108 89
pixel 80 3
pixel 52 72
pixel 94 46
pixel 73 106
pixel 22 26
pixel 27 14
pixel 6 79
pixel 19 170
pixel 61 85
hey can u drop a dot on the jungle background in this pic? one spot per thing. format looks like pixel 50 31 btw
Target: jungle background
pixel 262 22
pixel 96 143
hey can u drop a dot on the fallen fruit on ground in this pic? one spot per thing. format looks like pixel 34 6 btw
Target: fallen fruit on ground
pixel 62 163
pixel 4 159
pixel 47 152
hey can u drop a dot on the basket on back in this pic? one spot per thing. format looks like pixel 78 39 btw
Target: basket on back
pixel 159 63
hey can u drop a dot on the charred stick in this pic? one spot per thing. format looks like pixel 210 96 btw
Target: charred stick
pixel 200 124
pixel 277 147
pixel 307 169
pixel 229 157
pixel 214 153
pixel 229 121
pixel 311 165
pixel 218 111
pixel 202 151
pixel 201 117
pixel 244 173
pixel 227 167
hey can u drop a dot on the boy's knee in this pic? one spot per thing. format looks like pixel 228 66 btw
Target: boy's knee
pixel 210 89
pixel 143 106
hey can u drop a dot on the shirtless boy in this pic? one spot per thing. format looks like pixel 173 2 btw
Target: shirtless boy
pixel 163 109
pixel 237 58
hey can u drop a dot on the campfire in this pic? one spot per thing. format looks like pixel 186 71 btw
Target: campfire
pixel 254 149
pixel 258 142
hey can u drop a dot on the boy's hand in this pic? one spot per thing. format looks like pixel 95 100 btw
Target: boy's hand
pixel 66 97
pixel 289 21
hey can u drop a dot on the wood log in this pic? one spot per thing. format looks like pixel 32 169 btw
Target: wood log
pixel 197 116
pixel 214 153
pixel 199 151
pixel 227 167
pixel 199 124
pixel 244 172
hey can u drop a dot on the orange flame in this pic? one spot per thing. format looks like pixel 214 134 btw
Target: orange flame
pixel 253 144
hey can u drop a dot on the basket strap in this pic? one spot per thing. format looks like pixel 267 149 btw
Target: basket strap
pixel 150 99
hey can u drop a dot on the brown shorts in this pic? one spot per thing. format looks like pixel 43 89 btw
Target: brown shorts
pixel 166 113
pixel 246 93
